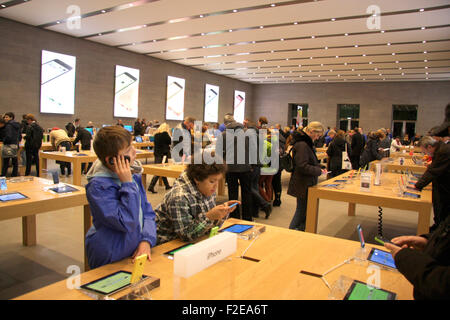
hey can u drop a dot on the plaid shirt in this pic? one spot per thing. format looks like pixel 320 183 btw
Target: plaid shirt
pixel 182 214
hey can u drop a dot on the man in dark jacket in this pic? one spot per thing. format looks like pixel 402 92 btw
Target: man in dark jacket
pixel 33 142
pixel 239 166
pixel 85 138
pixel 357 147
pixel 438 172
pixel 11 139
pixel 334 152
pixel 425 261
pixel 306 172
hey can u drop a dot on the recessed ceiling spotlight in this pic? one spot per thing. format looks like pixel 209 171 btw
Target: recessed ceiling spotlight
pixel 333 19
pixel 364 55
pixel 423 28
pixel 389 44
pixel 356 46
pixel 421 10
pixel 295 22
pixel 298 49
pixel 346 34
pixel 234 10
pixel 312 37
pixel 424 41
pixel 201 16
pixel 393 53
pixel 282 39
pixel 273 5
pixel 261 27
pixel 382 31
pixel 103 11
pixel 326 48
pixel 425 52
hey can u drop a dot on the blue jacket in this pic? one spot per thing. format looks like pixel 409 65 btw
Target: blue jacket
pixel 119 225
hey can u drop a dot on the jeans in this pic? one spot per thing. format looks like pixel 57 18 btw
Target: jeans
pixel 243 179
pixel 299 220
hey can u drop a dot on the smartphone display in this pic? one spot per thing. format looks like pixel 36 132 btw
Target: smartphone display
pixel 53 69
pixel 63 189
pixel 361 291
pixel 360 235
pixel 382 257
pixel 123 81
pixel 237 228
pixel 172 252
pixel 12 196
pixel 412 195
pixel 138 139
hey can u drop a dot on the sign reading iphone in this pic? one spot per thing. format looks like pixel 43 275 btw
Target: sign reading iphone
pixel 239 106
pixel 57 83
pixel 175 98
pixel 126 92
pixel 211 103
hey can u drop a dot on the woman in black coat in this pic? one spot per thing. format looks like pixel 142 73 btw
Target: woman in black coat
pixel 306 172
pixel 334 152
pixel 163 142
pixel 371 151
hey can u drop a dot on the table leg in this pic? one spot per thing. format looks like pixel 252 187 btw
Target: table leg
pixel 87 221
pixel 423 223
pixel 76 171
pixel 42 165
pixel 312 211
pixel 351 209
pixel 29 230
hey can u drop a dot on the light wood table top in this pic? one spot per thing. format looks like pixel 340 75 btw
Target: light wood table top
pixel 384 195
pixel 77 158
pixel 282 254
pixel 40 201
pixel 395 165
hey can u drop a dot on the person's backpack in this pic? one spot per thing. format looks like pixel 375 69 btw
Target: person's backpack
pixel 287 161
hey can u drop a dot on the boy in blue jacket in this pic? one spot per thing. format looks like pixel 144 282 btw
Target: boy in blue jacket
pixel 123 220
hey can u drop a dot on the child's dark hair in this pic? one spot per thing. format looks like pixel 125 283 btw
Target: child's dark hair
pixel 109 141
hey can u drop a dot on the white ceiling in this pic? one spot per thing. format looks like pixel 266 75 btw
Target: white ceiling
pixel 260 41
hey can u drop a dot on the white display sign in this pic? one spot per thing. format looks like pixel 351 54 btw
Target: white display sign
pixel 57 83
pixel 175 98
pixel 239 106
pixel 211 103
pixel 126 92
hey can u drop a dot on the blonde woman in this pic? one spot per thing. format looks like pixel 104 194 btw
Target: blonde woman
pixel 161 149
pixel 306 172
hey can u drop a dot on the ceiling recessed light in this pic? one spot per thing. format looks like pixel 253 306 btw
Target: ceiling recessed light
pixel 261 27
pixel 326 48
pixel 421 10
pixel 103 11
pixel 389 44
pixel 396 61
pixel 425 60
pixel 333 19
pixel 230 30
pixel 312 37
pixel 393 53
pixel 3 6
pixel 356 46
pixel 296 23
pixel 346 34
pixel 201 16
pixel 273 5
pixel 282 39
pixel 425 52
pixel 234 10
pixel 424 41
pixel 364 55
pixel 382 31
pixel 298 49
pixel 423 28
pixel 337 56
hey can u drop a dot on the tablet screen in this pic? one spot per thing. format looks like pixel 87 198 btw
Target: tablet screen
pixel 172 252
pixel 12 196
pixel 63 189
pixel 382 257
pixel 361 291
pixel 237 228
pixel 110 283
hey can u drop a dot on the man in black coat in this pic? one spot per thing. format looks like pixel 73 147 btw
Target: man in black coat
pixel 11 138
pixel 425 261
pixel 357 147
pixel 438 172
pixel 238 172
pixel 33 142
pixel 85 138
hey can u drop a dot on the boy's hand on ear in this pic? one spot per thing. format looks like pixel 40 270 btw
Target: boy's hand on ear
pixel 122 169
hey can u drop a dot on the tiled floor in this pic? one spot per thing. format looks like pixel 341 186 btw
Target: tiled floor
pixel 60 237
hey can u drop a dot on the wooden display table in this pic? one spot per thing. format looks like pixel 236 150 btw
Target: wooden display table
pixel 383 196
pixel 396 166
pixel 77 158
pixel 279 254
pixel 40 201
